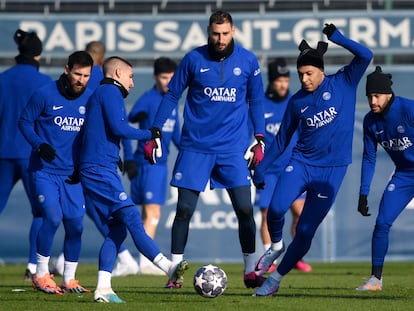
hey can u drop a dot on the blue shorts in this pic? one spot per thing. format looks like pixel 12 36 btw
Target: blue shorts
pixel 150 186
pixel 54 196
pixel 103 189
pixel 224 170
pixel 320 183
pixel 397 194
pixel 264 196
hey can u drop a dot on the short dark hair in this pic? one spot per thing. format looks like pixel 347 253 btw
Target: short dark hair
pixel 164 65
pixel 81 58
pixel 110 59
pixel 220 17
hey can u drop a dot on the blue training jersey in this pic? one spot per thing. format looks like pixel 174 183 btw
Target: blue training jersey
pixel 148 104
pixel 220 96
pixel 17 84
pixel 96 77
pixel 273 115
pixel 51 118
pixel 106 123
pixel 324 117
pixel 394 131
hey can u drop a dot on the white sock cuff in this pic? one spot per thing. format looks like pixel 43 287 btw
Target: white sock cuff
pixel 104 279
pixel 177 258
pixel 162 262
pixel 277 246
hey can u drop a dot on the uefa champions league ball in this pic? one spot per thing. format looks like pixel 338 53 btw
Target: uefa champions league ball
pixel 210 281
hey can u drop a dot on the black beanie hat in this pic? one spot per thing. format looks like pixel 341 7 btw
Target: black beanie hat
pixel 379 82
pixel 309 56
pixel 277 68
pixel 28 43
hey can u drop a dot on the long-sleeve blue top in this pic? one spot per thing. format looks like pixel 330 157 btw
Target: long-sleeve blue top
pixel 106 124
pixel 96 77
pixel 51 118
pixel 148 105
pixel 273 115
pixel 220 96
pixel 17 84
pixel 324 117
pixel 394 131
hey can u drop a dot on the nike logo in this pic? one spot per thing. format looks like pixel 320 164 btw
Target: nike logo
pixel 204 69
pixel 268 115
pixel 379 132
pixel 321 196
pixel 256 72
pixel 57 107
pixel 304 109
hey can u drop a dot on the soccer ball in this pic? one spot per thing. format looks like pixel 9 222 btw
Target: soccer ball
pixel 210 281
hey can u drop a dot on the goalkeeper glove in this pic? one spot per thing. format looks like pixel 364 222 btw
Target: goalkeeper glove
pixel 255 153
pixel 130 168
pixel 363 205
pixel 152 148
pixel 47 152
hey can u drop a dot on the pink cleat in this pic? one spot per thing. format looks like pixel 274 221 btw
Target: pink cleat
pixel 303 266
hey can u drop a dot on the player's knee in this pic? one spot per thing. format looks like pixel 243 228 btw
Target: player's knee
pixel 183 214
pixel 74 229
pixel 382 227
pixel 304 233
pixel 244 211
pixel 184 211
pixel 53 222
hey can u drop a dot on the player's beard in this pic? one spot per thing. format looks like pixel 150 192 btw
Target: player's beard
pixel 65 88
pixel 275 96
pixel 220 54
pixel 78 88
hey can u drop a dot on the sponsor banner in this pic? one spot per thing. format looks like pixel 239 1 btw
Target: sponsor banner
pixel 146 36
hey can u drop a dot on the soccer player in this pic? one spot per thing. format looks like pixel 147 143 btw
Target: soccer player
pixel 389 124
pixel 149 182
pixel 51 123
pixel 323 113
pixel 224 85
pixel 126 263
pixel 106 123
pixel 276 100
pixel 17 84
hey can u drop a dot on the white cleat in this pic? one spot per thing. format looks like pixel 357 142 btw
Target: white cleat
pixel 124 269
pixel 106 296
pixel 150 269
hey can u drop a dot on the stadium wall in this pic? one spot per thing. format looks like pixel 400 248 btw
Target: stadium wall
pixel 140 36
pixel 344 235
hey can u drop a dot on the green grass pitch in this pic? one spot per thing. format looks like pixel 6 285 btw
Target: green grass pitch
pixel 331 286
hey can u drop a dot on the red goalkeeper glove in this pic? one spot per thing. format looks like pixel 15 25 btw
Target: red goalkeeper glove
pixel 152 148
pixel 255 153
